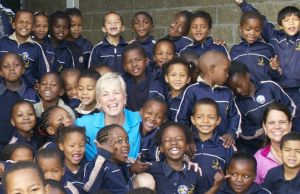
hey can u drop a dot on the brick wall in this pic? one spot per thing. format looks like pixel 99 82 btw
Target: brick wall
pixel 225 13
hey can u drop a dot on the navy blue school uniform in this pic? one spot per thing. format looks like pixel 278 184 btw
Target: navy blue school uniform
pixel 180 42
pixel 277 184
pixel 86 48
pixel 18 138
pixel 231 119
pixel 211 156
pixel 7 99
pixel 138 93
pixel 173 105
pixel 207 45
pixel 70 188
pixel 36 64
pixel 254 189
pixel 51 143
pixel 256 57
pixel 77 55
pixel 5 15
pixel 170 181
pixel 147 45
pixel 288 51
pixel 108 54
pixel 252 107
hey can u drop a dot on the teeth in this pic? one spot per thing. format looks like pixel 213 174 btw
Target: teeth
pixel 149 124
pixel 47 93
pixel 174 150
pixel 112 105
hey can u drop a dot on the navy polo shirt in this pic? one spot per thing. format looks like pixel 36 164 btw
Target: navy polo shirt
pixel 147 45
pixel 211 156
pixel 108 54
pixel 207 45
pixel 18 138
pixel 169 181
pixel 86 48
pixel 252 107
pixel 180 42
pixel 254 189
pixel 276 182
pixel 77 55
pixel 228 110
pixel 173 105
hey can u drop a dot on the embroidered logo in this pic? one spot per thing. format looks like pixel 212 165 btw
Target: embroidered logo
pixel 260 61
pixel 297 46
pixel 260 99
pixel 183 189
pixel 25 58
pixel 216 165
pixel 81 59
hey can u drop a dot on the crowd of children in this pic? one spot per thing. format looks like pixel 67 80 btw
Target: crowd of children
pixel 173 115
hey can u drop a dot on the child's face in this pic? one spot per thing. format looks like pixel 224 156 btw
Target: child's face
pixel 57 118
pixel 60 29
pixel 291 25
pixel 12 69
pixel 23 117
pixel 73 147
pixel 22 154
pixel 40 28
pixel 220 72
pixel 153 115
pixel 76 26
pixel 240 84
pixel 164 53
pixel 251 30
pixel 173 143
pixel 113 25
pixel 142 26
pixel 25 181
pixel 52 168
pixel 70 82
pixel 177 77
pixel 23 24
pixel 205 119
pixel 178 26
pixel 241 174
pixel 135 64
pixel 290 154
pixel 121 148
pixel 199 29
pixel 86 90
pixel 277 125
pixel 50 88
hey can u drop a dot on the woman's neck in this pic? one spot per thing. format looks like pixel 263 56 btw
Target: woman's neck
pixel 114 40
pixel 119 119
pixel 275 148
pixel 175 165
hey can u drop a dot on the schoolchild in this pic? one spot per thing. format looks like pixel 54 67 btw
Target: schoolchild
pixel 12 88
pixel 50 122
pixel 109 51
pixel 86 91
pixel 23 119
pixel 40 27
pixel 285 178
pixel 16 152
pixel 258 55
pixel 57 46
pixel 214 68
pixel 140 81
pixel 240 176
pixel 252 97
pixel 70 77
pixel 142 25
pixel 85 46
pixel 286 42
pixel 179 29
pixel 22 177
pixel 31 52
pixel 174 175
pixel 210 153
pixel 177 76
pixel 50 91
pixel 200 27
pixel 51 162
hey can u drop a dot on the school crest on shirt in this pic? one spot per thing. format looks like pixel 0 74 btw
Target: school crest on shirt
pixel 216 165
pixel 226 109
pixel 25 58
pixel 260 99
pixel 260 61
pixel 80 59
pixel 297 46
pixel 183 189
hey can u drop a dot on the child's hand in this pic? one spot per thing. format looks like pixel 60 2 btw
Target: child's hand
pixel 239 1
pixel 228 140
pixel 195 167
pixel 274 63
pixel 191 150
pixel 138 166
pixel 109 145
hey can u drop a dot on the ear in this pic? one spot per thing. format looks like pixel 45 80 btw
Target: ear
pixel 219 120
pixel 264 127
pixel 13 24
pixel 61 146
pixel 50 130
pixel 47 189
pixel 212 68
pixel 280 27
pixel 103 29
pixel 122 28
pixel 166 79
pixel 1 74
pixel 161 149
pixel 141 111
pixel 248 75
pixel 12 122
pixel 193 120
pixel 188 80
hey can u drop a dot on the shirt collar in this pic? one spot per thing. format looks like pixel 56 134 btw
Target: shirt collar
pixel 167 170
pixel 21 90
pixel 148 39
pixel 201 80
pixel 121 42
pixel 14 37
pixel 213 140
pixel 207 41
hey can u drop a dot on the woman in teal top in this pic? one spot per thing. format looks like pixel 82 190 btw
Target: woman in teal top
pixel 111 98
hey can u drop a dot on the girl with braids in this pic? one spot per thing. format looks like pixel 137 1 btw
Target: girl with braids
pixel 51 120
